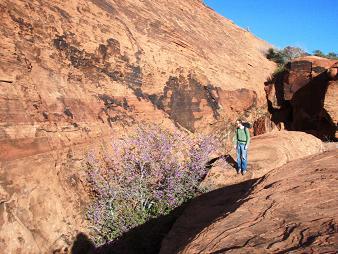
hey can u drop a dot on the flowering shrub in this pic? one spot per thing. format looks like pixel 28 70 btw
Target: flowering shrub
pixel 148 173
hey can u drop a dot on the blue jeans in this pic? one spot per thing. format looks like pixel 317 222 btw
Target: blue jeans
pixel 242 157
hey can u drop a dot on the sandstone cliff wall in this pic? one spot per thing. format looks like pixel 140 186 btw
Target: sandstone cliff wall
pixel 73 73
pixel 71 70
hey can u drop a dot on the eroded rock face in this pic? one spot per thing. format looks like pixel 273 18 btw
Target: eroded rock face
pixel 42 201
pixel 73 72
pixel 60 58
pixel 291 209
pixel 330 102
pixel 303 97
pixel 264 125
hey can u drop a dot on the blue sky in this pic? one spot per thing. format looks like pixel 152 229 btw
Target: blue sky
pixel 309 24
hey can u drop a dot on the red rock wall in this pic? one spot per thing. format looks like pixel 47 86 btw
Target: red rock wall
pixel 304 97
pixel 61 61
pixel 73 73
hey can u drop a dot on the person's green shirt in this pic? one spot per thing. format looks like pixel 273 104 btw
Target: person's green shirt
pixel 242 136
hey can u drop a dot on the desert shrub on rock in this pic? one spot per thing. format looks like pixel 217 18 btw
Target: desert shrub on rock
pixel 275 55
pixel 281 57
pixel 330 55
pixel 148 173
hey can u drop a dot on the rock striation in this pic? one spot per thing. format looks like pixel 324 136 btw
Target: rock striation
pixel 78 68
pixel 293 209
pixel 73 73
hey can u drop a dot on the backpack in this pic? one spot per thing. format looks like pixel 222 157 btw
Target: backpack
pixel 247 125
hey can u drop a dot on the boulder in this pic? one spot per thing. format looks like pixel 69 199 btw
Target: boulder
pixel 333 72
pixel 330 104
pixel 302 70
pixel 296 96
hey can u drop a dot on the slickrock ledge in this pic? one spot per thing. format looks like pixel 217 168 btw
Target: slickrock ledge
pixel 293 209
pixel 266 152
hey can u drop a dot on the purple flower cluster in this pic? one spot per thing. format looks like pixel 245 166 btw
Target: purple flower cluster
pixel 145 174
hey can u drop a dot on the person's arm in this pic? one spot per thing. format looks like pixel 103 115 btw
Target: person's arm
pixel 234 140
pixel 247 132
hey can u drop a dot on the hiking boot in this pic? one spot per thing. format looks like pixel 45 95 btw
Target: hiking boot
pixel 243 172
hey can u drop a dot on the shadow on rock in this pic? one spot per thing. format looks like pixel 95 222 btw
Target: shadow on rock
pixel 231 161
pixel 301 107
pixel 82 245
pixel 309 114
pixel 203 211
pixel 147 238
pixel 227 158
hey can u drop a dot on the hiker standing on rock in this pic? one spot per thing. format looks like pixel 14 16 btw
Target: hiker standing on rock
pixel 241 141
